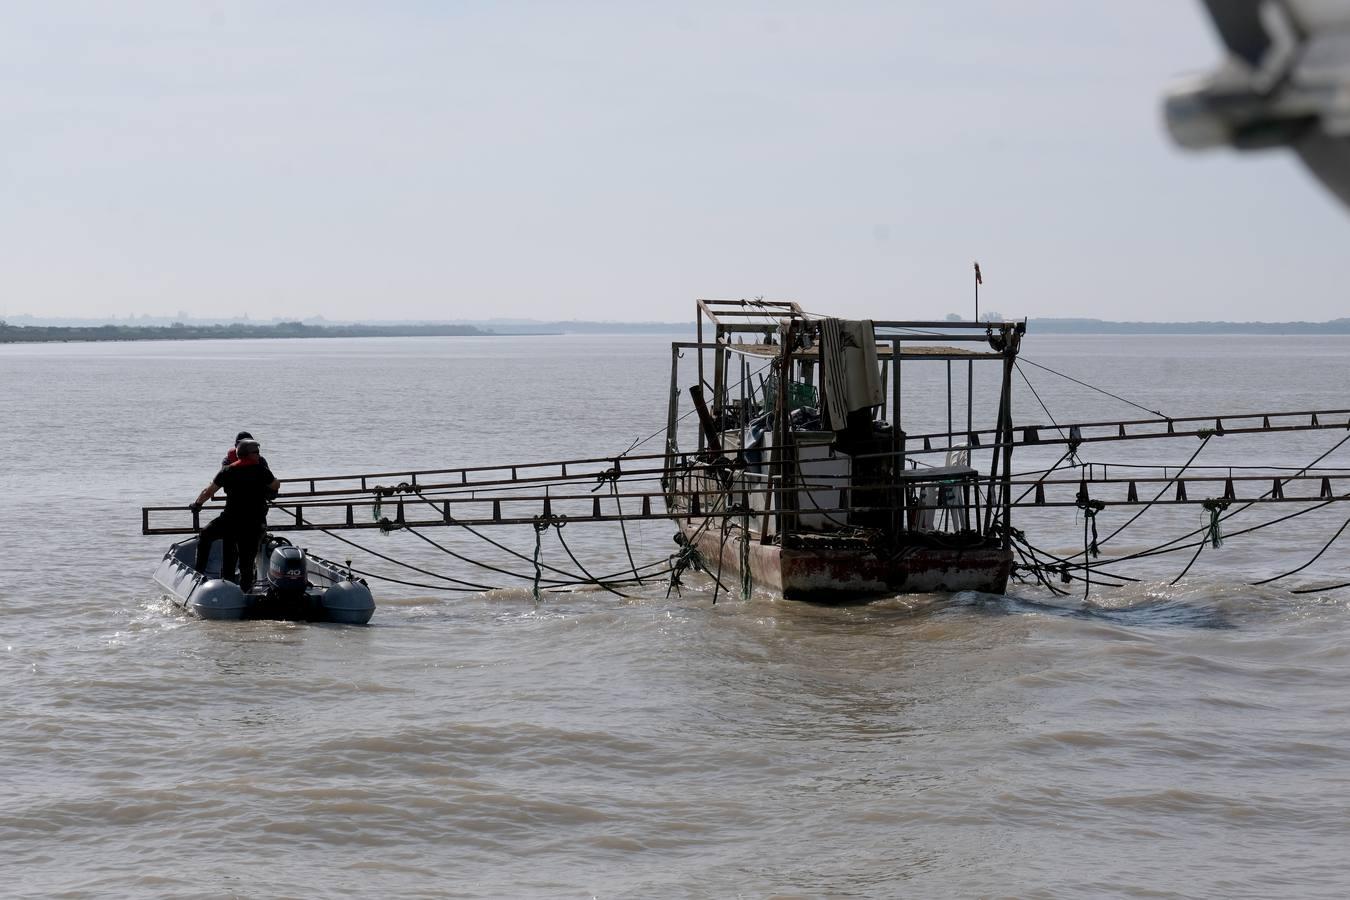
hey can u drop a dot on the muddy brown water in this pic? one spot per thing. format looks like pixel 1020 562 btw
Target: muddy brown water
pixel 1155 740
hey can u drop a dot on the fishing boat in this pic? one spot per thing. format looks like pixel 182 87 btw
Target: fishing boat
pixel 822 459
pixel 288 584
pixel 830 504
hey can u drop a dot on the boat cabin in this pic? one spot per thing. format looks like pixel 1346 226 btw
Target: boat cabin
pixel 796 423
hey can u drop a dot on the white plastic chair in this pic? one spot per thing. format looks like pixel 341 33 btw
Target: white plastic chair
pixel 950 496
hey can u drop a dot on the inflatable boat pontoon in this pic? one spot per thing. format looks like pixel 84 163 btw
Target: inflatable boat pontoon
pixel 288 584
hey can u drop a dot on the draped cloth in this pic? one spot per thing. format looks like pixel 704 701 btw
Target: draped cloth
pixel 848 368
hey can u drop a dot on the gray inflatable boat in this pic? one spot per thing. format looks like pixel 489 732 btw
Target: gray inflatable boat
pixel 289 584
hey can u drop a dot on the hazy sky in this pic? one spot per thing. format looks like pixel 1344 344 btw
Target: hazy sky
pixel 616 160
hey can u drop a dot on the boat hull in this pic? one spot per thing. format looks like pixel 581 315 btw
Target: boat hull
pixel 826 571
pixel 332 595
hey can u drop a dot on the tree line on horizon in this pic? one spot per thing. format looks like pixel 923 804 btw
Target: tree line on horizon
pixel 178 331
pixel 1052 325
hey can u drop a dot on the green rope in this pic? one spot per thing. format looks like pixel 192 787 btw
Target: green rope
pixel 745 557
pixel 1090 509
pixel 1212 533
pixel 721 556
pixel 541 524
pixel 687 558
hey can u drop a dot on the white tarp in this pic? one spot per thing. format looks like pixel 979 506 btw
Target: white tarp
pixel 848 363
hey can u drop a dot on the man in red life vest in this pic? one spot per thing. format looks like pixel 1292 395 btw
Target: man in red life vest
pixel 232 454
pixel 230 458
pixel 248 484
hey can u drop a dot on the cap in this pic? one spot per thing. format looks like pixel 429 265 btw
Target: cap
pixel 241 436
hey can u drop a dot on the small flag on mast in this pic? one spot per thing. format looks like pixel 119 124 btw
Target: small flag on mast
pixel 979 279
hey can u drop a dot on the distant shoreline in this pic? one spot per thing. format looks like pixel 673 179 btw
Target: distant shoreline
pixel 179 331
pixel 1103 326
pixel 46 334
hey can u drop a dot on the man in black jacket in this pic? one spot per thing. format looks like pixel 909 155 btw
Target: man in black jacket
pixel 248 484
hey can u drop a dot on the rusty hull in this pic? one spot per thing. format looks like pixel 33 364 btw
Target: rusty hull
pixel 837 573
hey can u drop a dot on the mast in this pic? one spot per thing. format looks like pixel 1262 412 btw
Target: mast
pixel 782 457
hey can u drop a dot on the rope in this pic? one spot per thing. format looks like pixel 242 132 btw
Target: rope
pixel 472 587
pixel 429 587
pixel 541 524
pixel 1031 565
pixel 688 557
pixel 1065 566
pixel 468 584
pixel 623 530
pixel 1163 548
pixel 746 585
pixel 499 545
pixel 1067 454
pixel 572 581
pixel 1131 520
pixel 1168 548
pixel 1335 471
pixel 1038 398
pixel 1242 531
pixel 1095 388
pixel 1214 507
pixel 558 526
pixel 1323 589
pixel 721 557
pixel 1090 509
pixel 1199 547
pixel 1319 553
pixel 488 566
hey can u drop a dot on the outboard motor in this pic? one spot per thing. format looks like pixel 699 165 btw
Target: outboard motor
pixel 288 573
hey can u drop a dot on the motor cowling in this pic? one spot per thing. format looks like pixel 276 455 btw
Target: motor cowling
pixel 287 571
